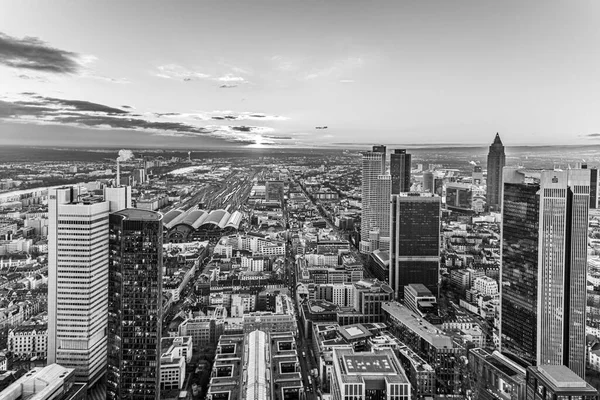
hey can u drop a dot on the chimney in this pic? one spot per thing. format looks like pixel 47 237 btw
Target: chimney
pixel 118 183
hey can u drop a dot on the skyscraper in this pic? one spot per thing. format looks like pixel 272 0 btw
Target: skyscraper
pixel 400 171
pixel 373 165
pixel 77 282
pixel 381 212
pixel 495 162
pixel 414 241
pixel 544 266
pixel 135 304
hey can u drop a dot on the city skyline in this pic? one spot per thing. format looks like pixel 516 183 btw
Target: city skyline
pixel 269 74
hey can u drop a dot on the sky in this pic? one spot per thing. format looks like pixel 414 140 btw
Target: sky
pixel 209 74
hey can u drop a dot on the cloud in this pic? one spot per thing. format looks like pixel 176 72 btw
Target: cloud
pixel 174 71
pixel 107 78
pixel 593 135
pixel 347 80
pixel 231 78
pixel 337 69
pixel 36 78
pixel 284 64
pixel 34 54
pixel 227 86
pixel 28 107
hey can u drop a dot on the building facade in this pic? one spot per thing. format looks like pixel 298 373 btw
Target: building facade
pixel 77 280
pixel 135 306
pixel 373 165
pixel 400 162
pixel 495 162
pixel 414 241
pixel 544 266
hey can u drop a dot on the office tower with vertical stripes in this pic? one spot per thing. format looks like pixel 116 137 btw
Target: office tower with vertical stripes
pixel 135 305
pixel 400 162
pixel 373 166
pixel 414 241
pixel 77 282
pixel 544 266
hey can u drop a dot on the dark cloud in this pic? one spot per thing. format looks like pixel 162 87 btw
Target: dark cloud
pixel 258 115
pixel 277 137
pixel 132 123
pixel 126 107
pixel 227 86
pixel 81 105
pixel 34 54
pixel 593 135
pixel 39 109
pixel 242 128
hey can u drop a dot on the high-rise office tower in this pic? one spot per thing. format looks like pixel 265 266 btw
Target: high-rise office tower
pixel 544 266
pixel 428 182
pixel 373 165
pixel 593 186
pixel 381 212
pixel 400 171
pixel 77 282
pixel 495 162
pixel 414 241
pixel 135 304
pixel 383 150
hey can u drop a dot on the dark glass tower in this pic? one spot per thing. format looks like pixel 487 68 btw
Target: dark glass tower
pixel 520 219
pixel 495 162
pixel 134 305
pixel 544 266
pixel 400 171
pixel 414 241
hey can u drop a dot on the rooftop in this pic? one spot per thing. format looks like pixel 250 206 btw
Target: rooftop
pixel 139 215
pixel 419 326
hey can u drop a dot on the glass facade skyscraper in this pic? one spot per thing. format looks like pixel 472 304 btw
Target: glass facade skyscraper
pixel 400 162
pixel 544 266
pixel 414 241
pixel 135 304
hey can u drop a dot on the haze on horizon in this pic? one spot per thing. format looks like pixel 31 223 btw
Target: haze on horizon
pixel 267 73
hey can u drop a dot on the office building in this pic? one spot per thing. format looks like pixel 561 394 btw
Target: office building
pixel 496 376
pixel 118 198
pixel 256 366
pixel 419 299
pixel 593 186
pixel 374 375
pixel 495 162
pixel 52 382
pixel 77 281
pixel 544 266
pixel 557 382
pixel 274 190
pixel 437 349
pixel 400 162
pixel 414 241
pixel 428 182
pixel 373 166
pixel 135 306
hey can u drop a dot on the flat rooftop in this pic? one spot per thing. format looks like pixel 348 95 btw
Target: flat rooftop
pixel 139 215
pixel 561 376
pixel 417 325
pixel 420 290
pixel 368 364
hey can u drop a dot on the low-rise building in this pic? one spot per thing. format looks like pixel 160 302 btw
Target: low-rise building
pixel 52 382
pixel 29 340
pixel 368 375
